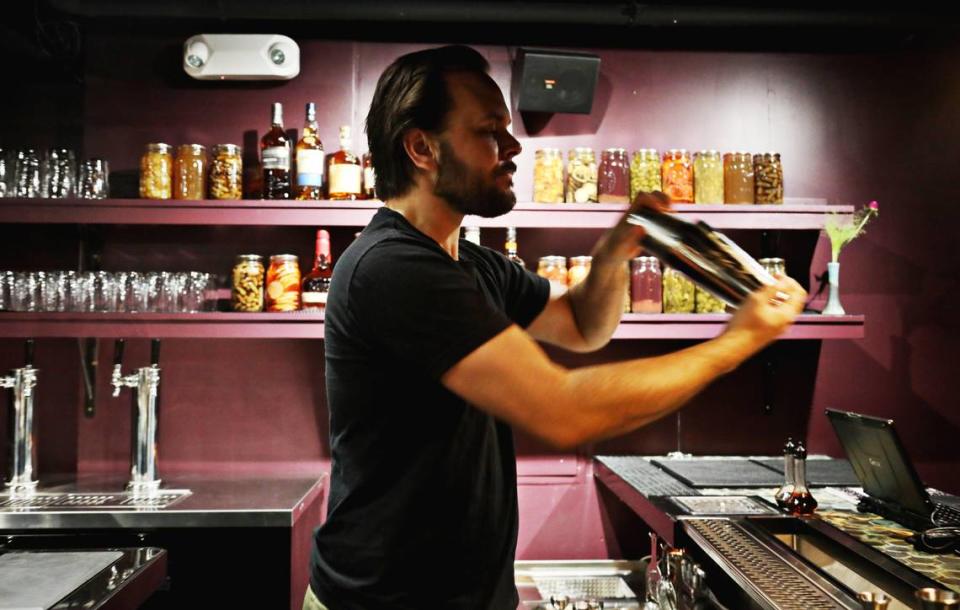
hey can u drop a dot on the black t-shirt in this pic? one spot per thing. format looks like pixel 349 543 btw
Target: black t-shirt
pixel 423 500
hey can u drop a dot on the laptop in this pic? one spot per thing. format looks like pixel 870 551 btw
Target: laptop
pixel 893 489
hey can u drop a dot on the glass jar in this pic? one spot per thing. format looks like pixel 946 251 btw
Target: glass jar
pixel 768 178
pixel 59 173
pixel 190 172
pixel 283 283
pixel 581 176
pixel 707 303
pixel 554 268
pixel 708 177
pixel 247 284
pixel 644 172
pixel 646 286
pixel 678 292
pixel 156 172
pixel 614 176
pixel 579 269
pixel 677 171
pixel 774 266
pixel 737 177
pixel 548 176
pixel 226 172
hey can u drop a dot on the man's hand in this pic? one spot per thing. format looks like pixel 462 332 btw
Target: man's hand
pixel 769 311
pixel 622 243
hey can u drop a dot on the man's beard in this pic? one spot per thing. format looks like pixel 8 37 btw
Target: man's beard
pixel 469 192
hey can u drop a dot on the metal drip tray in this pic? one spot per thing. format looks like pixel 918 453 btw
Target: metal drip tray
pixel 42 501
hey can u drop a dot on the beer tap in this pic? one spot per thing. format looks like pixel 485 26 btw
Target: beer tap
pixel 144 476
pixel 20 427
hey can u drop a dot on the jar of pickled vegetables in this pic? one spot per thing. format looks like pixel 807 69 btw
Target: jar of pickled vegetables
pixel 708 177
pixel 190 172
pixel 644 172
pixel 283 283
pixel 707 303
pixel 247 283
pixel 548 176
pixel 613 181
pixel 581 176
pixel 774 266
pixel 579 269
pixel 678 292
pixel 737 177
pixel 156 171
pixel 768 178
pixel 554 268
pixel 226 172
pixel 677 171
pixel 646 285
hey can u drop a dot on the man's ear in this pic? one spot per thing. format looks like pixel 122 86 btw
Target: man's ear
pixel 421 149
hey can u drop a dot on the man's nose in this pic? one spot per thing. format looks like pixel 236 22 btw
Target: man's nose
pixel 510 147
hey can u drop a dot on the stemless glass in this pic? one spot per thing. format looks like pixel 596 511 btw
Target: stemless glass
pixel 53 291
pixel 171 295
pixel 6 284
pixel 6 174
pixel 195 296
pixel 105 291
pixel 58 173
pixel 94 179
pixel 80 291
pixel 26 291
pixel 26 173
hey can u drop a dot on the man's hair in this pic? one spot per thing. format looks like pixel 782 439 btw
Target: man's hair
pixel 412 94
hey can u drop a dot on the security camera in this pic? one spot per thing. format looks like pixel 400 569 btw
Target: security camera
pixel 241 57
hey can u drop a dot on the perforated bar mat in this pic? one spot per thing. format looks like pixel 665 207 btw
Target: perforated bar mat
pixel 837 473
pixel 41 579
pixel 721 473
pixel 645 477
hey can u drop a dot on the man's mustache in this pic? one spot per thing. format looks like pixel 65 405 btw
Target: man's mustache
pixel 508 167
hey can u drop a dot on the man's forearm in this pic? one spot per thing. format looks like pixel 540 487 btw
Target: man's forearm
pixel 597 302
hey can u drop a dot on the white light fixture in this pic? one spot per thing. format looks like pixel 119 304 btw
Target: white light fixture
pixel 241 57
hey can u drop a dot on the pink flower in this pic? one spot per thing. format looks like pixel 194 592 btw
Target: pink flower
pixel 874 206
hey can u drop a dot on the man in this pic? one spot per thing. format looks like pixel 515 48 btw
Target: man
pixel 432 356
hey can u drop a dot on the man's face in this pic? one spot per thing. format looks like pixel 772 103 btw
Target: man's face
pixel 475 171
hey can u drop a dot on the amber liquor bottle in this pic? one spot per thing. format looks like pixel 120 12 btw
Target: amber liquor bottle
pixel 369 178
pixel 316 284
pixel 275 157
pixel 511 247
pixel 344 172
pixel 310 159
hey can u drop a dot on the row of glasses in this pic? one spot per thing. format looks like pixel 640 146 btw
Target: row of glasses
pixel 105 291
pixel 54 174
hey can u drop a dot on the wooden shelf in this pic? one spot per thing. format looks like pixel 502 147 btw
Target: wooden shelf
pixel 223 325
pixel 795 214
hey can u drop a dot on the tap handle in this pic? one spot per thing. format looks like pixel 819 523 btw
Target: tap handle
pixel 28 358
pixel 118 352
pixel 155 352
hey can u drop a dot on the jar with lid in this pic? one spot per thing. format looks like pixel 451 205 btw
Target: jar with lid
pixel 644 172
pixel 581 176
pixel 737 177
pixel 247 283
pixel 548 176
pixel 190 172
pixel 554 268
pixel 646 287
pixel 677 173
pixel 678 292
pixel 614 176
pixel 707 303
pixel 283 283
pixel 768 178
pixel 774 266
pixel 156 172
pixel 579 269
pixel 708 177
pixel 226 172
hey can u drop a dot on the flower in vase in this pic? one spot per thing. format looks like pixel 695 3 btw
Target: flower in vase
pixel 842 229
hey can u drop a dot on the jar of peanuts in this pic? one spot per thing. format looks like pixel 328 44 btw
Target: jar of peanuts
pixel 226 172
pixel 247 284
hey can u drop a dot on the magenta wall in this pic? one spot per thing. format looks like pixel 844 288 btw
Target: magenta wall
pixel 850 127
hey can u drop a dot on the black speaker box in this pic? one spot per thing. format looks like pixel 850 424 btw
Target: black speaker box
pixel 553 81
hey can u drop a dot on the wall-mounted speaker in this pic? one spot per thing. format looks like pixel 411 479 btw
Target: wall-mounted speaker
pixel 554 81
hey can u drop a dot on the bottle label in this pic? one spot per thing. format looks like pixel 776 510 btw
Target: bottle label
pixel 317 299
pixel 369 180
pixel 276 157
pixel 310 167
pixel 345 178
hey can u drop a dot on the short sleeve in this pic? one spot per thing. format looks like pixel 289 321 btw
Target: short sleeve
pixel 526 293
pixel 421 306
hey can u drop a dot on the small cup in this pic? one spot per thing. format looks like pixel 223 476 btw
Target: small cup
pixel 53 291
pixel 93 181
pixel 80 291
pixel 25 295
pixel 104 291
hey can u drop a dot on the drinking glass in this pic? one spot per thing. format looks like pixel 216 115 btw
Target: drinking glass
pixel 26 173
pixel 53 291
pixel 58 173
pixel 94 179
pixel 104 291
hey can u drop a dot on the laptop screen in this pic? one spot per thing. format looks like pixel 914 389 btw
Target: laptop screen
pixel 879 460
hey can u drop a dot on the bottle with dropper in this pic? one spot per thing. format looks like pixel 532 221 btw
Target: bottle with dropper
pixel 801 502
pixel 782 496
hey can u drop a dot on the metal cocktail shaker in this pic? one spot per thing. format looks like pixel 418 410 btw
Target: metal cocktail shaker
pixel 707 257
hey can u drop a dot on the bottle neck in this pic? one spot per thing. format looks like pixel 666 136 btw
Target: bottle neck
pixel 789 468
pixel 322 255
pixel 800 474
pixel 276 116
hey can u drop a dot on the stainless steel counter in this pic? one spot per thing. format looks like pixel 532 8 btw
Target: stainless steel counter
pixel 213 501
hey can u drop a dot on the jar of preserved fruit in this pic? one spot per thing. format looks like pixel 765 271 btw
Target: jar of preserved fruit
pixel 554 268
pixel 283 283
pixel 708 177
pixel 226 172
pixel 768 178
pixel 737 177
pixel 247 283
pixel 579 269
pixel 678 292
pixel 581 176
pixel 548 176
pixel 190 172
pixel 774 266
pixel 646 286
pixel 644 172
pixel 707 303
pixel 678 176
pixel 156 172
pixel 613 181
